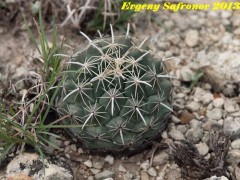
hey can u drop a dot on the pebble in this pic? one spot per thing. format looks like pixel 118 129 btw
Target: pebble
pixel 226 14
pixel 104 174
pixel 182 128
pixel 80 150
pixel 231 106
pixel 194 134
pixel 98 164
pixel 211 125
pixel 186 74
pixel 127 176
pixel 145 165
pixel 207 98
pixel 230 126
pixel 109 159
pixel 176 135
pixel 73 147
pixel 121 168
pixel 218 102
pixel 186 117
pixel 152 172
pixel 237 172
pixel 144 175
pixel 233 157
pixel 236 20
pixel 195 123
pixel 174 38
pixel 192 38
pixel 235 144
pixel 160 159
pixel 215 114
pixel 175 119
pixel 202 148
pixel 94 171
pixel 193 106
pixel 88 163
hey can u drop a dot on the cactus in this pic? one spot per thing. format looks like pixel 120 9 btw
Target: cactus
pixel 118 93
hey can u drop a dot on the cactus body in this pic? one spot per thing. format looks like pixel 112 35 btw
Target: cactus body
pixel 119 94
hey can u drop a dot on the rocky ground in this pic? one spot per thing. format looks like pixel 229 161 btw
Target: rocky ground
pixel 190 42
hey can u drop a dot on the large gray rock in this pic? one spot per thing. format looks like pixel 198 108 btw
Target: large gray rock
pixel 31 165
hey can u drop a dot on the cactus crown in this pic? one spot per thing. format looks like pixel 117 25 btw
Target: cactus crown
pixel 118 92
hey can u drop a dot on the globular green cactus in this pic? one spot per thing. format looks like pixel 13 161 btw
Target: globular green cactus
pixel 118 92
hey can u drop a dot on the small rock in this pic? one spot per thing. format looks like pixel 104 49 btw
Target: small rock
pixel 233 157
pixel 88 163
pixel 235 144
pixel 175 119
pixel 127 176
pixel 211 125
pixel 231 106
pixel 237 31
pixel 174 38
pixel 207 98
pixel 121 168
pixel 186 117
pixel 176 135
pixel 202 148
pixel 236 20
pixel 237 172
pixel 195 123
pixel 73 147
pixel 145 165
pixel 109 159
pixel 193 106
pixel 194 134
pixel 186 74
pixel 182 128
pixel 226 14
pixel 80 150
pixel 218 178
pixel 215 114
pixel 104 175
pixel 144 175
pixel 192 37
pixel 19 177
pixel 218 102
pixel 230 126
pixel 160 159
pixel 98 164
pixel 94 171
pixel 152 172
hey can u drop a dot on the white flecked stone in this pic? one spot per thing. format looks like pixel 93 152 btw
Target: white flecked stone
pixel 215 114
pixel 109 159
pixel 176 135
pixel 231 106
pixel 192 38
pixel 236 144
pixel 145 165
pixel 88 163
pixel 202 148
pixel 152 172
pixel 218 102
pixel 160 159
pixel 193 106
